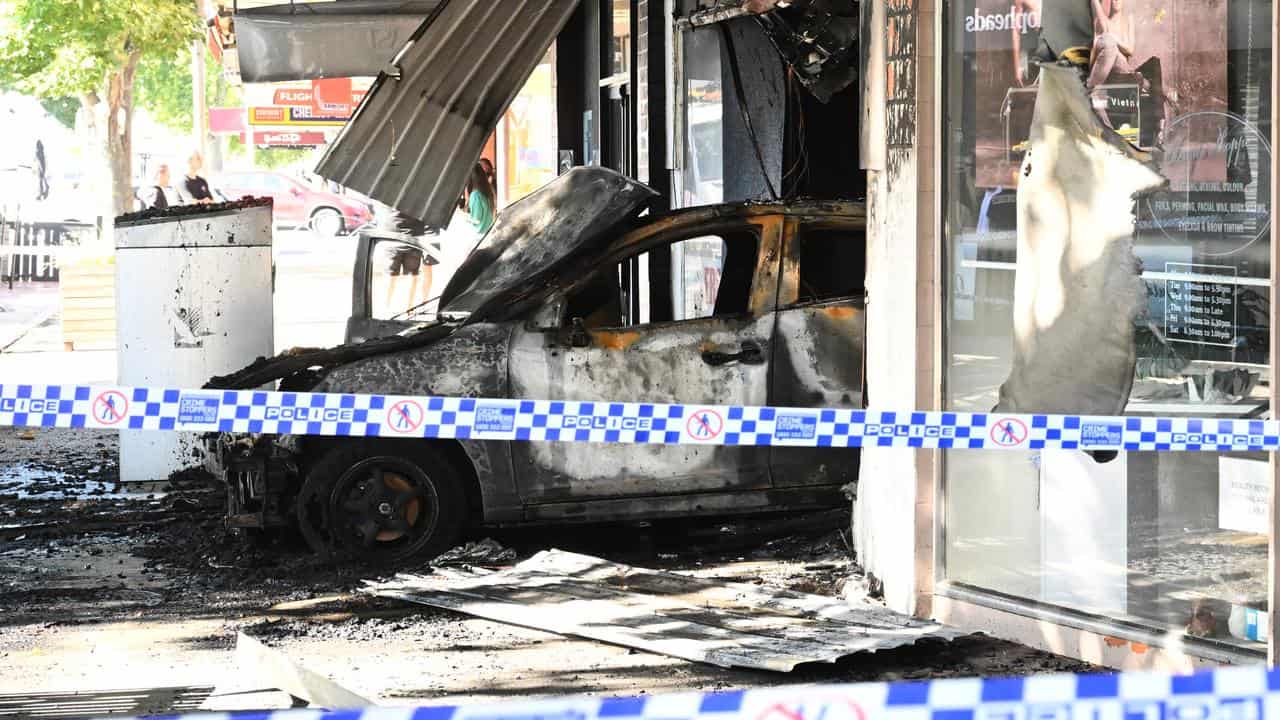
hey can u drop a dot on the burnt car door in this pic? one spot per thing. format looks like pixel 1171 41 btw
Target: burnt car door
pixel 685 316
pixel 388 294
pixel 820 343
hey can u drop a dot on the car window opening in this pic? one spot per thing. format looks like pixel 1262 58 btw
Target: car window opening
pixel 692 279
pixel 832 265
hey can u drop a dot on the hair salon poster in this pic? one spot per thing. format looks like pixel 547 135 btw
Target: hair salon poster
pixel 1185 80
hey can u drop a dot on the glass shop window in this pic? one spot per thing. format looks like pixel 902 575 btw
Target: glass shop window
pixel 702 176
pixel 526 138
pixel 1141 261
pixel 700 277
pixel 832 264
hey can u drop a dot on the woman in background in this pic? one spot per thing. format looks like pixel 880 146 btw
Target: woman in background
pixel 480 200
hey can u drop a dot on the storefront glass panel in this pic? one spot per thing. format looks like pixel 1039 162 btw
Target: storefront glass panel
pixel 703 165
pixel 1055 303
pixel 529 134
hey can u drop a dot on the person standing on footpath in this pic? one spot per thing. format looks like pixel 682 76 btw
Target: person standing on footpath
pixel 197 187
pixel 480 200
pixel 154 197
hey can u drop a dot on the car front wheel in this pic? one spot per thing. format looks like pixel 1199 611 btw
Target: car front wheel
pixel 327 222
pixel 381 503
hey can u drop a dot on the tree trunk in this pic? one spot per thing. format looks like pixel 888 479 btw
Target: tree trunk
pixel 95 183
pixel 119 139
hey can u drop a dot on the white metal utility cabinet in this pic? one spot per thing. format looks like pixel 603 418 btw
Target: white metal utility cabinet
pixel 194 292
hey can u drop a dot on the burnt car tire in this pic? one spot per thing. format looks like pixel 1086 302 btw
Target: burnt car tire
pixel 381 503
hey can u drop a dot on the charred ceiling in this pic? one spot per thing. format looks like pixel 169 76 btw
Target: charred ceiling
pixel 818 39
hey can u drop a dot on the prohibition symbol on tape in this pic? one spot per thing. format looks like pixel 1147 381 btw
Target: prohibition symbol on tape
pixel 704 425
pixel 820 707
pixel 405 416
pixel 1009 432
pixel 110 407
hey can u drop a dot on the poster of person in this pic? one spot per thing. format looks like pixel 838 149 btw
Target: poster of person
pixel 1148 63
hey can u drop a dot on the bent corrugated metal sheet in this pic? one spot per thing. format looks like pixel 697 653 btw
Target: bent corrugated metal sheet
pixel 724 624
pixel 415 137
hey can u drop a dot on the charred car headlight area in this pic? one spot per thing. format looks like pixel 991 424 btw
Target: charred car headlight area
pixel 573 295
pixel 259 472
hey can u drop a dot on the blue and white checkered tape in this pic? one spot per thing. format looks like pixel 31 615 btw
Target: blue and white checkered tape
pixel 1248 693
pixel 252 411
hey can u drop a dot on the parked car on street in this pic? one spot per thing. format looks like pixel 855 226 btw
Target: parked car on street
pixel 573 295
pixel 294 203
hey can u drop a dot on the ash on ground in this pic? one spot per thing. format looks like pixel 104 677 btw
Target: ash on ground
pixel 143 585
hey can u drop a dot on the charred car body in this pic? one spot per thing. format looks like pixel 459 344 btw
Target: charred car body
pixel 575 295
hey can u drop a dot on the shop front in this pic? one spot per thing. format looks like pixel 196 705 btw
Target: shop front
pixel 1060 294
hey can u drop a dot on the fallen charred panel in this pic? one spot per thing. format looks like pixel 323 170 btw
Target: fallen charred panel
pixel 720 623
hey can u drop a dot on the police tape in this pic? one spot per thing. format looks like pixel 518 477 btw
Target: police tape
pixel 404 416
pixel 1241 693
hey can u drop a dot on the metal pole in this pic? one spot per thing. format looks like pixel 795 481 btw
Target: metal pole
pixel 1273 552
pixel 199 103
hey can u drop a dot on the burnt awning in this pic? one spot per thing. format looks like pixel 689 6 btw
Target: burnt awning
pixel 421 128
pixel 343 38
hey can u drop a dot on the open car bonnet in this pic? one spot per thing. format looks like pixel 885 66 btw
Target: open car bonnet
pixel 565 219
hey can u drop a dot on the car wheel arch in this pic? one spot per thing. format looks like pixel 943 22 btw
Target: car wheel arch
pixel 452 450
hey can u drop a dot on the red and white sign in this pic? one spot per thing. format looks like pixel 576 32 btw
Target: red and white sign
pixel 287 138
pixel 268 115
pixel 332 97
pixel 226 121
pixel 293 96
pixel 326 101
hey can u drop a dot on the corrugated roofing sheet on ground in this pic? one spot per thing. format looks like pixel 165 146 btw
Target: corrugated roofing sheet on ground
pixel 414 139
pixel 724 624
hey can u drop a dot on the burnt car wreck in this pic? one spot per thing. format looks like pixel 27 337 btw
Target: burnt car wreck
pixel 574 295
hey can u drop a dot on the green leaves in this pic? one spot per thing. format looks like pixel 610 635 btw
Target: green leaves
pixel 57 48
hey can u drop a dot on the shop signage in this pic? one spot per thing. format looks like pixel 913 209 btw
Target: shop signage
pixel 226 121
pixel 331 97
pixel 293 96
pixel 291 116
pixel 1242 495
pixel 308 138
pixel 1197 311
pixel 1014 18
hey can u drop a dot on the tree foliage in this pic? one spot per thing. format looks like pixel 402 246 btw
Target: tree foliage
pixel 61 48
pixel 90 49
pixel 63 109
pixel 164 88
pixel 274 158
